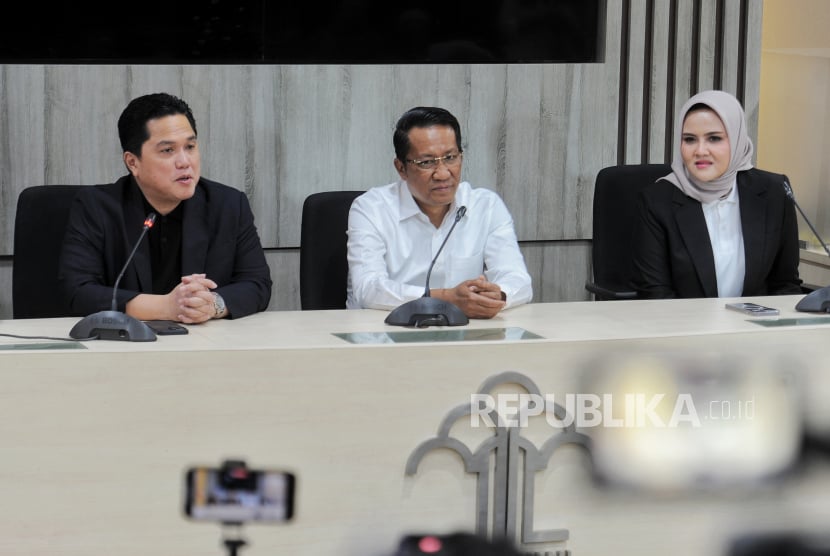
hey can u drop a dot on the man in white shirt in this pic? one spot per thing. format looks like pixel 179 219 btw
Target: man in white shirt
pixel 396 230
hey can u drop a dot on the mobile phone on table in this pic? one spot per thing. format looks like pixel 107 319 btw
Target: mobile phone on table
pixel 166 327
pixel 753 309
pixel 237 494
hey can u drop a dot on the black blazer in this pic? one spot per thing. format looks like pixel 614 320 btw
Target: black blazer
pixel 673 255
pixel 218 238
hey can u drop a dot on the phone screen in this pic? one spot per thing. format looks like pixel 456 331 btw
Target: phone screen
pixel 239 495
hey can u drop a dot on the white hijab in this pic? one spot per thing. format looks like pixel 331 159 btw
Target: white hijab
pixel 731 114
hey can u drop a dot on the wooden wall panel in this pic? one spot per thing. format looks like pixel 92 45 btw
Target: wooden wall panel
pixel 591 144
pixel 285 270
pixel 638 68
pixel 558 269
pixel 752 65
pixel 662 62
pixel 536 133
pixel 708 55
pixel 22 139
pixel 483 167
pixel 682 60
pixel 685 62
pixel 522 148
pixel 81 106
pixel 731 51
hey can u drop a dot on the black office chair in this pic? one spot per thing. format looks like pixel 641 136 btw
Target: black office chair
pixel 39 225
pixel 323 266
pixel 615 214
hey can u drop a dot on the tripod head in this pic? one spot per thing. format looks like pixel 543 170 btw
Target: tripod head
pixel 233 545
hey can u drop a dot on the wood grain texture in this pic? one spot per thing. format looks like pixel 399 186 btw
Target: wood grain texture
pixel 708 41
pixel 731 71
pixel 638 80
pixel 662 63
pixel 99 438
pixel 752 70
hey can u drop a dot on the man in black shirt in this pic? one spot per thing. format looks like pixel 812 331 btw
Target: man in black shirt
pixel 203 258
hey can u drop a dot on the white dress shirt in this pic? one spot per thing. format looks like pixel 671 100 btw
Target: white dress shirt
pixel 723 219
pixel 391 244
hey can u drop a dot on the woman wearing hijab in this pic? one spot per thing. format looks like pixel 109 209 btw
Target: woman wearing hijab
pixel 716 226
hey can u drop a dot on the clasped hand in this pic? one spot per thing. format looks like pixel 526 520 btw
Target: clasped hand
pixel 478 299
pixel 192 301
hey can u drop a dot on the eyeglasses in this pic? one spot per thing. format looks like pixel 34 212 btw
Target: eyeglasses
pixel 450 160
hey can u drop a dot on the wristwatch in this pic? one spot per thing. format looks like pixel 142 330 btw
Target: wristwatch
pixel 218 305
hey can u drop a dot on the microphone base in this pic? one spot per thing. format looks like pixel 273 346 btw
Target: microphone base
pixel 427 311
pixel 815 302
pixel 112 325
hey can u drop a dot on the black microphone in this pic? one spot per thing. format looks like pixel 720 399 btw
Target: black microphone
pixel 426 310
pixel 113 324
pixel 819 300
pixel 459 214
pixel 148 223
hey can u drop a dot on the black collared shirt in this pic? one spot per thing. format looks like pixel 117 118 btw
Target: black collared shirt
pixel 165 238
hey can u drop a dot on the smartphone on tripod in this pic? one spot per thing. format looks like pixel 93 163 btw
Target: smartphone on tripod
pixel 235 494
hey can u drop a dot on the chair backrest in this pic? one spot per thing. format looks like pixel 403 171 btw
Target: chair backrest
pixel 323 266
pixel 39 225
pixel 615 215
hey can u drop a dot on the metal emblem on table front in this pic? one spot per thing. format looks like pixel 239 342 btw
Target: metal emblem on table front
pixel 516 458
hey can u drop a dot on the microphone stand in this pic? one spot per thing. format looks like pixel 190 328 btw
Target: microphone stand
pixel 113 324
pixel 790 194
pixel 819 300
pixel 426 310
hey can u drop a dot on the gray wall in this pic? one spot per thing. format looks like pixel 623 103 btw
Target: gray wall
pixel 537 134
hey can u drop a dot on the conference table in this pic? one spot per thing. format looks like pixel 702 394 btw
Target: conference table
pixel 388 430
